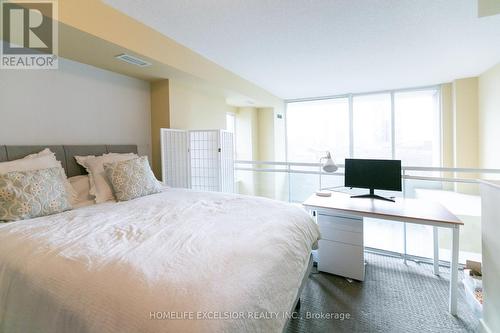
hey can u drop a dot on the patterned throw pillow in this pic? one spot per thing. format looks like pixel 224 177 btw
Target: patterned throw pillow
pixel 30 194
pixel 131 179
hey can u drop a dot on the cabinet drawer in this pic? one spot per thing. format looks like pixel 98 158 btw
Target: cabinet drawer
pixel 341 259
pixel 333 234
pixel 341 223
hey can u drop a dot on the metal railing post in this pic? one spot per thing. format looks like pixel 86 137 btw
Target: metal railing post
pixel 405 252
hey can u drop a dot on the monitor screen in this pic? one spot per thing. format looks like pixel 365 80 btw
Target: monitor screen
pixel 373 174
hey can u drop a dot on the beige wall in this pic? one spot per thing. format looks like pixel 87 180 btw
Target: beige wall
pixel 265 137
pixel 265 145
pixel 489 118
pixel 246 147
pixel 193 108
pixel 76 104
pixel 465 118
pixel 160 118
pixel 246 133
pixel 466 130
pixel 488 7
pixel 260 137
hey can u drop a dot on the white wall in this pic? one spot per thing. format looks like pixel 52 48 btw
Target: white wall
pixel 489 118
pixel 489 152
pixel 194 108
pixel 76 104
pixel 490 197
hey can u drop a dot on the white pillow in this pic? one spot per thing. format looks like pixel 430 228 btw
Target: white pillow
pixel 99 184
pixel 81 185
pixel 45 159
pixel 44 152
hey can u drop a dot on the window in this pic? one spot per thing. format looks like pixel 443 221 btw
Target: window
pixel 417 127
pixel 318 126
pixel 230 122
pixel 403 125
pixel 400 124
pixel 372 126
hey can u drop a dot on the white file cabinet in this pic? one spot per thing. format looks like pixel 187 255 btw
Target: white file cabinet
pixel 341 246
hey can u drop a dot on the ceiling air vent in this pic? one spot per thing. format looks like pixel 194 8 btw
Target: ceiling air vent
pixel 133 60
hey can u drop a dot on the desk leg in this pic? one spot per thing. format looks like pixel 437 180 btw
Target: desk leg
pixel 454 271
pixel 404 243
pixel 436 250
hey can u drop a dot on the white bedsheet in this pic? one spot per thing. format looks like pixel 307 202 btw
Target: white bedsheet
pixel 126 267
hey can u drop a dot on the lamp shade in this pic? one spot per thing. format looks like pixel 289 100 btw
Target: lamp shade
pixel 328 165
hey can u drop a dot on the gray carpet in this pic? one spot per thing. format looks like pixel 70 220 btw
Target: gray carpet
pixel 393 298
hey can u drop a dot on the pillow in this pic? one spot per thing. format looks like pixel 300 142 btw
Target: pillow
pixel 132 179
pixel 43 160
pixel 81 185
pixel 32 193
pixel 45 152
pixel 99 186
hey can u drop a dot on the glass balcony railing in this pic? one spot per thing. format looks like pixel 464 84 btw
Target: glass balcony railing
pixel 455 188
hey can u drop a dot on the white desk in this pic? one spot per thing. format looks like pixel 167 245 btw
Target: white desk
pixel 403 210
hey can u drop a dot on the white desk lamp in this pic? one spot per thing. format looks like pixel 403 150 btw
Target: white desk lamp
pixel 328 166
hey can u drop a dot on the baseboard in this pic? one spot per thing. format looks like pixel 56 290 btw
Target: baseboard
pixel 484 327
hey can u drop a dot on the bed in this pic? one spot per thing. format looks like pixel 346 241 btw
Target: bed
pixel 176 261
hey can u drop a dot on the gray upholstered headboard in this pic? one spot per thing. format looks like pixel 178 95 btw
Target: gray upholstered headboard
pixel 65 154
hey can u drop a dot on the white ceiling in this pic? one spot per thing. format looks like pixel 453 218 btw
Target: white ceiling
pixel 307 48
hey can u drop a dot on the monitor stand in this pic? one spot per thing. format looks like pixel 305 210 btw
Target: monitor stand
pixel 372 195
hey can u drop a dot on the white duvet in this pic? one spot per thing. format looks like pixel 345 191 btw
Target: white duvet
pixel 162 263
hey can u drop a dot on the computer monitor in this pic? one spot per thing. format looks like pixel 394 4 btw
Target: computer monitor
pixel 373 175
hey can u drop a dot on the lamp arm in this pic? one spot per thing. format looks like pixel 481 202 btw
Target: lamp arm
pixel 320 171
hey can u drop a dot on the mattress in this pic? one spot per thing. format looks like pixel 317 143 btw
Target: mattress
pixel 177 261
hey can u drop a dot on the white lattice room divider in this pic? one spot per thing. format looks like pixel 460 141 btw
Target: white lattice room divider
pixel 205 161
pixel 198 159
pixel 175 158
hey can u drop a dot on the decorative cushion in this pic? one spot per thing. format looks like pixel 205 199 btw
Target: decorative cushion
pixel 99 185
pixel 43 160
pixel 33 193
pixel 132 179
